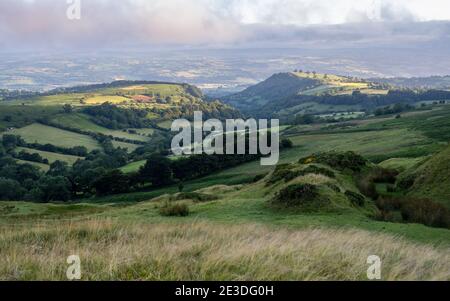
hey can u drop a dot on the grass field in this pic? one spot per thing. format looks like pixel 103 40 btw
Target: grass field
pixel 134 166
pixel 82 122
pixel 165 124
pixel 41 166
pixel 51 157
pixel 43 134
pixel 130 147
pixel 402 164
pixel 99 99
pixel 205 251
pixel 20 116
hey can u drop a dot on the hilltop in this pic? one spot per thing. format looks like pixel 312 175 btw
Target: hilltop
pixel 279 87
pixel 287 95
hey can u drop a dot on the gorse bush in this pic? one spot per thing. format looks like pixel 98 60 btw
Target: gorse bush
pixel 355 198
pixel 296 195
pixel 174 210
pixel 284 172
pixel 338 160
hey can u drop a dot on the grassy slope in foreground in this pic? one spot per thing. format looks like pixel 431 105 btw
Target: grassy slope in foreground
pixel 206 251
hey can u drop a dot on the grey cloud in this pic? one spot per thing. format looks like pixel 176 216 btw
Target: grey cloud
pixel 129 23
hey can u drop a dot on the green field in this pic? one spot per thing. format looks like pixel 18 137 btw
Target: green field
pixel 402 164
pixel 43 134
pixel 130 147
pixel 82 122
pixel 51 157
pixel 43 167
pixel 134 166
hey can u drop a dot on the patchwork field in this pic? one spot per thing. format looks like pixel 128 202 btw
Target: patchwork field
pixel 130 147
pixel 82 122
pixel 41 166
pixel 43 134
pixel 51 157
pixel 134 166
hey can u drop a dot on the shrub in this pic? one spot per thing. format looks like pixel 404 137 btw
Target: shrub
pixel 426 212
pixel 382 175
pixel 258 178
pixel 406 182
pixel 174 210
pixel 355 198
pixel 334 187
pixel 338 160
pixel 282 172
pixel 367 187
pixel 296 195
pixel 286 143
pixel 422 211
pixel 388 204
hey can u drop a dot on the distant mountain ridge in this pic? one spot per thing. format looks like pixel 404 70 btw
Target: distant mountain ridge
pixel 431 82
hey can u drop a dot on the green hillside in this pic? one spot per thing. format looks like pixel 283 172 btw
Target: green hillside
pixel 280 87
pixel 431 179
pixel 44 134
pixel 82 122
pixel 276 87
pixel 51 157
pixel 288 96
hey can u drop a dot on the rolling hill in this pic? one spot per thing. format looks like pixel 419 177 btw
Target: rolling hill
pixel 132 114
pixel 431 179
pixel 286 95
pixel 282 86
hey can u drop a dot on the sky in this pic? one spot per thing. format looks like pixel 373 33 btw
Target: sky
pixel 221 23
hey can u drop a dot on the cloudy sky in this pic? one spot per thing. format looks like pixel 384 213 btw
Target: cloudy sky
pixel 215 23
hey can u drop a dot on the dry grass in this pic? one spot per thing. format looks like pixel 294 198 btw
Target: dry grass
pixel 204 251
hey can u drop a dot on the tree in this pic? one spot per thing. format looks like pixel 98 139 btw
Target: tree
pixel 286 143
pixel 53 189
pixel 11 190
pixel 58 168
pixel 67 108
pixel 113 182
pixel 157 170
pixel 11 141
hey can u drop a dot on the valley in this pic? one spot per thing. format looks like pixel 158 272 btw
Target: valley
pixel 100 180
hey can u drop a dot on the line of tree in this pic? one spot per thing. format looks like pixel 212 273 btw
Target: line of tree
pixel 367 102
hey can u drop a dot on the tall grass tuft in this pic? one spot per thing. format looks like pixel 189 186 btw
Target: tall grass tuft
pixel 204 251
